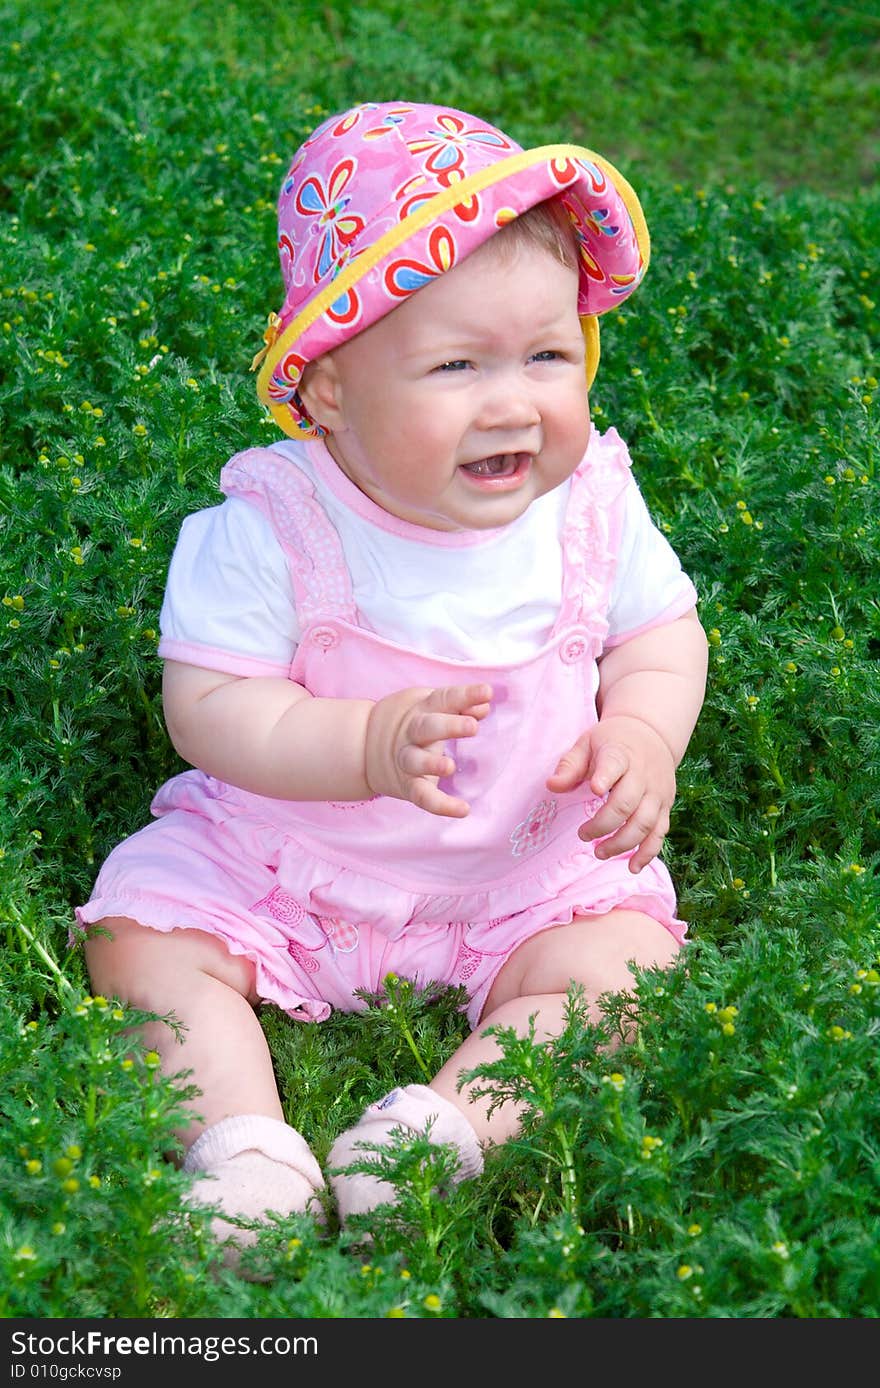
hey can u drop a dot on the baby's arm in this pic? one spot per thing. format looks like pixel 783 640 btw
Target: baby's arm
pixel 271 736
pixel 651 690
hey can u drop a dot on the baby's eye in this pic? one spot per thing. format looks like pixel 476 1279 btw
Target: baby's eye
pixel 459 364
pixel 549 355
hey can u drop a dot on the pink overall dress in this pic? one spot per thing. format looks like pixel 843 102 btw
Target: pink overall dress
pixel 329 897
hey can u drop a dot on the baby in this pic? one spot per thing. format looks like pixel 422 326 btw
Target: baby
pixel 434 663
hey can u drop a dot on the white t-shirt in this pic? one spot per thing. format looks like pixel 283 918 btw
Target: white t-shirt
pixel 229 601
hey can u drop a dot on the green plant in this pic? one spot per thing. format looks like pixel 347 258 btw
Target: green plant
pixel 722 1162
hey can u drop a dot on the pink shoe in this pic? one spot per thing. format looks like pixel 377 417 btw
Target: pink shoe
pixel 414 1107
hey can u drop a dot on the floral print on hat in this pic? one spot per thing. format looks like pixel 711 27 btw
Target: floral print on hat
pixel 383 198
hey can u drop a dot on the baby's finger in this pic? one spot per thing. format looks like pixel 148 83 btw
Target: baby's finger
pixel 425 728
pixel 612 762
pixel 479 711
pixel 617 810
pixel 572 766
pixel 459 698
pixel 641 824
pixel 428 796
pixel 424 761
pixel 646 851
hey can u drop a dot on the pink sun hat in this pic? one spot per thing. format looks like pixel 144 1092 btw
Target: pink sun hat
pixel 383 198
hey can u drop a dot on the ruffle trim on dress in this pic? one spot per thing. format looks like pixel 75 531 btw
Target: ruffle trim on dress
pixel 156 914
pixel 276 487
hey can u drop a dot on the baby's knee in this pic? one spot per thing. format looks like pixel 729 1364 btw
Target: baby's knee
pixel 593 952
pixel 602 950
pixel 139 965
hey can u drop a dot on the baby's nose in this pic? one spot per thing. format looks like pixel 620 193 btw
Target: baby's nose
pixel 509 406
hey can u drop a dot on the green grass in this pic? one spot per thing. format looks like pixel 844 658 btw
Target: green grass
pixel 141 154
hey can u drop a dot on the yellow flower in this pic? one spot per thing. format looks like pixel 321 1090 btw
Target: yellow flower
pixel 432 1302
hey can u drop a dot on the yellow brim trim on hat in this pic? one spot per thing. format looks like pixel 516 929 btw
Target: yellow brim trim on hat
pixel 590 330
pixel 424 216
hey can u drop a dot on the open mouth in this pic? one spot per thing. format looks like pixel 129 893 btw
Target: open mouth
pixel 499 467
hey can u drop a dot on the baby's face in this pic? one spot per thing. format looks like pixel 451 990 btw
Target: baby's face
pixel 469 401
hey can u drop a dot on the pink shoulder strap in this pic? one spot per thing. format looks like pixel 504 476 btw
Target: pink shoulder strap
pixel 593 522
pixel 275 485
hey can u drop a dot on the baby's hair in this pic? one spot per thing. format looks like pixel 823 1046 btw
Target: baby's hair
pixel 546 226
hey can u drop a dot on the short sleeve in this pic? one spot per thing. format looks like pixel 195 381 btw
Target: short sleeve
pixel 650 588
pixel 229 602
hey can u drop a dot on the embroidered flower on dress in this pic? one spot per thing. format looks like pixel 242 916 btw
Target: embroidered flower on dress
pixel 281 906
pixel 467 963
pixel 304 956
pixel 534 830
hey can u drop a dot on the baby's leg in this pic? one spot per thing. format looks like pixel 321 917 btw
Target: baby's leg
pixel 592 951
pixel 534 981
pixel 211 992
pixel 237 1134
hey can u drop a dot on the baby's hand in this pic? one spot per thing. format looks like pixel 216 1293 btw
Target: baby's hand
pixel 406 733
pixel 627 760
